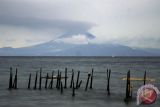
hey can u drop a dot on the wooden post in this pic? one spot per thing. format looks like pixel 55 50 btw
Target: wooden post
pixel 108 81
pixel 57 80
pixel 91 79
pixel 77 82
pixel 131 91
pixel 10 79
pixel 128 88
pixel 61 87
pixel 15 81
pixel 72 79
pixel 46 81
pixel 52 80
pixel 79 85
pixel 87 82
pixel 29 81
pixel 40 79
pixel 35 84
pixel 65 85
pixel 144 77
pixel 73 89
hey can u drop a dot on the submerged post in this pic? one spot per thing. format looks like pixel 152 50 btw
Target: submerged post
pixel 10 79
pixel 29 81
pixel 72 79
pixel 79 85
pixel 73 89
pixel 87 82
pixel 108 81
pixel 35 84
pixel 57 80
pixel 91 79
pixel 144 78
pixel 77 82
pixel 65 85
pixel 61 87
pixel 46 81
pixel 40 79
pixel 51 83
pixel 15 80
pixel 128 89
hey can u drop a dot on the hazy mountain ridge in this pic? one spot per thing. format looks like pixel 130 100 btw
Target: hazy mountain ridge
pixel 55 48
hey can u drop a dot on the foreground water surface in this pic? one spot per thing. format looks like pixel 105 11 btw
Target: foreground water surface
pixel 96 97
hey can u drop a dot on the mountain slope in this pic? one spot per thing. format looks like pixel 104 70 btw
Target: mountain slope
pixel 54 48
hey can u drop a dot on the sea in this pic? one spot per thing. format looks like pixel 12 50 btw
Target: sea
pixel 95 97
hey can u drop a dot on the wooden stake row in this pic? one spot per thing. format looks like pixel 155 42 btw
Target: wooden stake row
pixel 59 83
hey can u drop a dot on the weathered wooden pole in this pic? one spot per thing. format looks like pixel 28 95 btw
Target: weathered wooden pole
pixel 15 80
pixel 61 87
pixel 65 85
pixel 40 78
pixel 79 85
pixel 108 81
pixel 91 79
pixel 35 84
pixel 144 77
pixel 29 81
pixel 10 79
pixel 57 80
pixel 73 89
pixel 128 88
pixel 46 81
pixel 131 91
pixel 77 82
pixel 87 81
pixel 51 83
pixel 72 79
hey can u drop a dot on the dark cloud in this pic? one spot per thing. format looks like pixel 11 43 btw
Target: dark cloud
pixel 85 33
pixel 68 27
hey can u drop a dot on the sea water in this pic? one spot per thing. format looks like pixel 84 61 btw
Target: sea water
pixel 96 97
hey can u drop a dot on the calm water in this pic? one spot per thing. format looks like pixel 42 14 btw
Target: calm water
pixel 97 97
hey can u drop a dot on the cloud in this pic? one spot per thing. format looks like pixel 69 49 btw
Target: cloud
pixel 109 20
pixel 74 39
pixel 34 31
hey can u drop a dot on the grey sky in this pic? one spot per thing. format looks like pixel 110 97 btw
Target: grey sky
pixel 133 23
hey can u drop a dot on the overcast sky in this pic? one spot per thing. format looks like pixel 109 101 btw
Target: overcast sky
pixel 134 23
